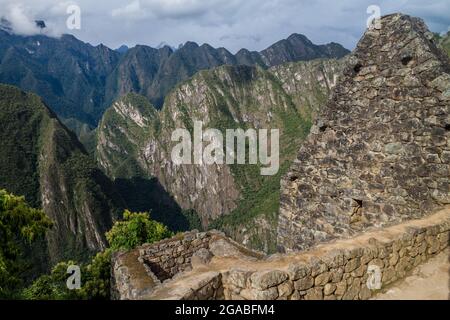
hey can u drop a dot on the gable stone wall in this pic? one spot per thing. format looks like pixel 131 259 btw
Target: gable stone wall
pixel 379 152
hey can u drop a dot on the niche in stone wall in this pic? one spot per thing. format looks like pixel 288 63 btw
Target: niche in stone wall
pixel 357 211
pixel 406 60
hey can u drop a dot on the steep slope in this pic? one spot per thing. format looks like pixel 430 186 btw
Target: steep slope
pixel 299 48
pixel 135 140
pixel 444 42
pixel 41 159
pixel 69 74
pixel 155 72
pixel 80 81
pixel 379 152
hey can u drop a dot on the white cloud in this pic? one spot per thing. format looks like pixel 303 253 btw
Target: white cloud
pixel 21 22
pixel 254 24
pixel 132 10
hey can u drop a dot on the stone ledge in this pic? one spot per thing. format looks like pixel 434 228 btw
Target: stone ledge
pixel 334 271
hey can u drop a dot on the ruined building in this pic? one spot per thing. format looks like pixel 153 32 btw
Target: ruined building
pixel 380 151
pixel 374 171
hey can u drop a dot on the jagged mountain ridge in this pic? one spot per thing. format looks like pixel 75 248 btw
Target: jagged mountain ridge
pixel 79 81
pixel 169 67
pixel 42 160
pixel 134 139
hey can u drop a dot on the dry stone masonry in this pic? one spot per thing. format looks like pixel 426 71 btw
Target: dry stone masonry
pixel 379 152
pixel 335 271
pixel 137 274
pixel 371 180
pixel 342 271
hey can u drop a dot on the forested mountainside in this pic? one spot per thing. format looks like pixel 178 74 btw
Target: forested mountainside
pixel 444 42
pixel 80 81
pixel 134 140
pixel 42 160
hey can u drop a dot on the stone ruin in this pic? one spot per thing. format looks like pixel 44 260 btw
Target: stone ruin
pixel 377 164
pixel 139 273
pixel 209 266
pixel 379 152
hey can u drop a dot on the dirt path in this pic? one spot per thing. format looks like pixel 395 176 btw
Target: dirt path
pixel 429 281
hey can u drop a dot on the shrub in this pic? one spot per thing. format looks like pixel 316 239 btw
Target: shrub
pixel 134 230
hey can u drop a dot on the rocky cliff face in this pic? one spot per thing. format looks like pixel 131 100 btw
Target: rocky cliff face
pixel 80 81
pixel 135 140
pixel 154 72
pixel 380 151
pixel 41 159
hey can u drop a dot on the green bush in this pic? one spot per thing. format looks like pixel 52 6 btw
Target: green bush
pixel 134 230
pixel 18 222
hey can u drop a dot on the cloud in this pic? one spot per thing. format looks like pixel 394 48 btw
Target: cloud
pixel 22 19
pixel 233 24
pixel 132 10
pixel 21 22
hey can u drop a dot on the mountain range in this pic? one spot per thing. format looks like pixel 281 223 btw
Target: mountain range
pixel 134 98
pixel 134 139
pixel 44 161
pixel 80 81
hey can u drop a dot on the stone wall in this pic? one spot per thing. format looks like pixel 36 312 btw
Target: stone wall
pixel 206 286
pixel 341 272
pixel 169 257
pixel 145 271
pixel 379 152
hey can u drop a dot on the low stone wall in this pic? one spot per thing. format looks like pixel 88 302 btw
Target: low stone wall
pixel 211 289
pixel 149 271
pixel 342 271
pixel 169 257
pixel 354 268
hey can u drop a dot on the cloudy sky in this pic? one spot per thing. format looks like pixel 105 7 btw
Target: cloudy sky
pixel 234 24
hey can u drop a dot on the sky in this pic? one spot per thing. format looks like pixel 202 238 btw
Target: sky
pixel 233 24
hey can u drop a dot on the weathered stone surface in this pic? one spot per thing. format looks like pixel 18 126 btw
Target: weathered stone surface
pixel 267 279
pixel 255 294
pixel 378 151
pixel 223 248
pixel 238 277
pixel 304 283
pixel 298 271
pixel 315 293
pixel 134 277
pixel 329 289
pixel 352 265
pixel 322 279
pixel 201 257
pixel 285 289
pixel 341 288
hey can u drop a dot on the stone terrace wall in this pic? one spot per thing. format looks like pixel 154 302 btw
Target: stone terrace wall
pixel 379 152
pixel 169 257
pixel 145 272
pixel 341 272
pixel 203 286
